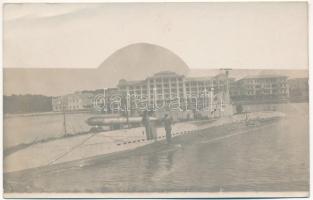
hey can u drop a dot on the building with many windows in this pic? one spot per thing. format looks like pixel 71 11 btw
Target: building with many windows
pixel 111 95
pixel 260 89
pixel 78 101
pixel 299 89
pixel 168 88
pixel 156 89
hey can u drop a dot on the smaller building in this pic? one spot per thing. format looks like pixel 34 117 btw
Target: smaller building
pixel 78 101
pixel 260 89
pixel 111 96
pixel 57 104
pixel 298 89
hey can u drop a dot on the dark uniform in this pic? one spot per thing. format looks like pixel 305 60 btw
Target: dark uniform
pixel 168 128
pixel 150 126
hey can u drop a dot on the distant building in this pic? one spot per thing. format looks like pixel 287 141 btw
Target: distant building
pixel 110 95
pixel 78 101
pixel 298 89
pixel 57 104
pixel 260 89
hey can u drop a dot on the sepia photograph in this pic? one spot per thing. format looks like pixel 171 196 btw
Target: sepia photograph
pixel 155 100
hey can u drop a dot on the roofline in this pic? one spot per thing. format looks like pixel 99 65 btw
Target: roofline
pixel 275 76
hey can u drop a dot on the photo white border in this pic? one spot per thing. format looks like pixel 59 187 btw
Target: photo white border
pixel 160 195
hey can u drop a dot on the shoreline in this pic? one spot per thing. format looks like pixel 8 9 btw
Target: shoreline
pixel 9 115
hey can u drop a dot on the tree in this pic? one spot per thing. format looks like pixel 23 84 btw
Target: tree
pixel 27 103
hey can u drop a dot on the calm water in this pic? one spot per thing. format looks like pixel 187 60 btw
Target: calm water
pixel 269 158
pixel 27 129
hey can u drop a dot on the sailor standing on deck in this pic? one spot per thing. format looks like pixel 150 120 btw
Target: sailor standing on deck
pixel 168 127
pixel 153 131
pixel 147 123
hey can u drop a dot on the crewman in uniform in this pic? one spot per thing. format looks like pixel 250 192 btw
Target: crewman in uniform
pixel 168 121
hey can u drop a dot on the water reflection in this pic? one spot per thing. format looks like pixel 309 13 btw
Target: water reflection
pixel 169 162
pixel 271 158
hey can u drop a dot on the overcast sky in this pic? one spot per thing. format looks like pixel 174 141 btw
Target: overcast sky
pixel 204 35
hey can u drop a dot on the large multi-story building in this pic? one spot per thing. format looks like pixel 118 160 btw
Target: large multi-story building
pixel 260 89
pixel 156 89
pixel 298 89
pixel 166 87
